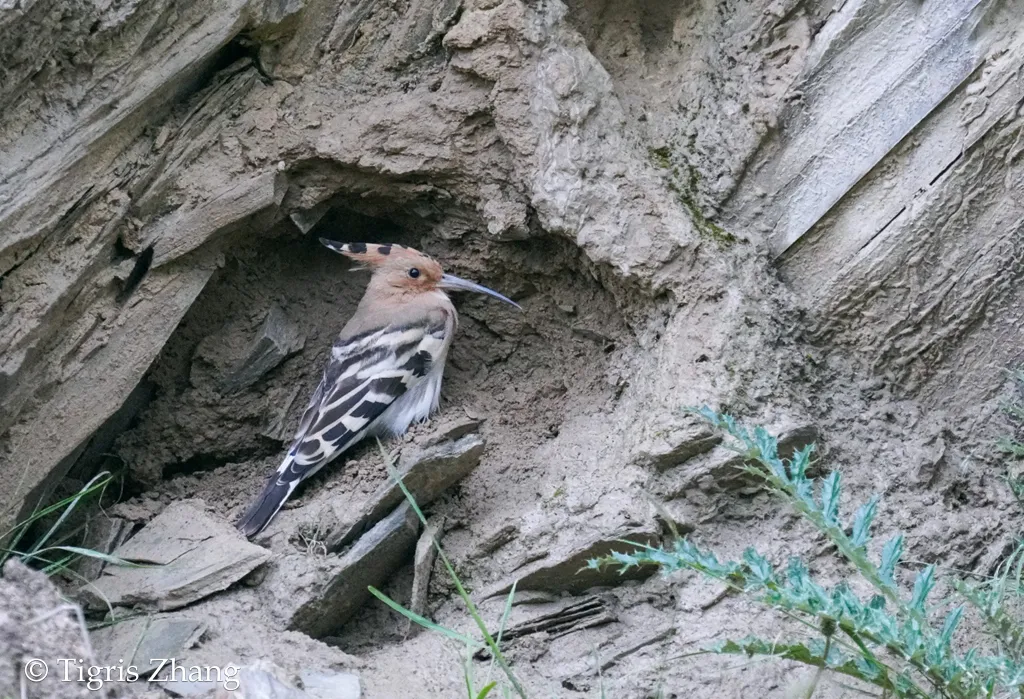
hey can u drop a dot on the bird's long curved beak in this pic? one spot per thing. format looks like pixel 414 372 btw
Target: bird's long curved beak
pixel 450 281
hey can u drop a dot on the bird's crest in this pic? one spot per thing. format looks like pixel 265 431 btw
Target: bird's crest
pixel 374 255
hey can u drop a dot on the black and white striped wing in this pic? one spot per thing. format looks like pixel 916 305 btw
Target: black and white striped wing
pixel 367 373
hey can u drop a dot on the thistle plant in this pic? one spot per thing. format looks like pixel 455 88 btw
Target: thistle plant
pixel 887 637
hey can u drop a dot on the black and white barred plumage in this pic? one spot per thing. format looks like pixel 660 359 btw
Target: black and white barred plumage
pixel 377 382
pixel 385 368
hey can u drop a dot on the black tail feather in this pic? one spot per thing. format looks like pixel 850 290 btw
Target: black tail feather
pixel 262 511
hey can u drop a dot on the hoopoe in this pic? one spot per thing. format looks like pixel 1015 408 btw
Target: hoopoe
pixel 385 368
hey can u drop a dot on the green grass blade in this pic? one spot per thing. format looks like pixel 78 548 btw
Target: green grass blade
pixel 423 621
pixel 508 610
pixel 92 553
pixel 469 680
pixel 98 482
pixel 61 504
pixel 504 619
pixel 470 606
pixel 486 690
pixel 59 565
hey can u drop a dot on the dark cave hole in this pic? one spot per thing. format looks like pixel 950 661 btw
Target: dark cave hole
pixel 348 226
pixel 203 462
pixel 142 264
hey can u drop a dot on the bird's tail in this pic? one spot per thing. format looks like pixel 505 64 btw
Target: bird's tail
pixel 262 511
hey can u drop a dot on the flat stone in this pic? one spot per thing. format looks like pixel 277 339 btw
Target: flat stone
pixel 196 554
pixel 319 684
pixel 720 469
pixel 142 641
pixel 569 573
pixel 371 561
pixel 795 438
pixel 278 338
pixel 677 446
pixel 453 429
pixel 426 473
pixel 926 458
pixel 574 616
pixel 257 683
pixel 423 565
pixel 306 219
pixel 614 650
pixel 261 680
pixel 533 597
pixel 238 202
pixel 90 392
pixel 495 540
pixel 628 645
pixel 185 688
pixel 103 534
pixel 277 426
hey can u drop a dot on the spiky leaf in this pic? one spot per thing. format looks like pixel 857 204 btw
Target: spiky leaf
pixel 801 461
pixel 830 489
pixel 862 521
pixel 949 626
pixel 922 586
pixel 759 567
pixel 891 553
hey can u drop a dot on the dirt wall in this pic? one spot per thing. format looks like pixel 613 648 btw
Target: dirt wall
pixel 806 213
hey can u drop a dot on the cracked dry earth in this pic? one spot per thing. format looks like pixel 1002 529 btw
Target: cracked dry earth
pixel 806 213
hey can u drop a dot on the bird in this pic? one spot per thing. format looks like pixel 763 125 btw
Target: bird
pixel 385 368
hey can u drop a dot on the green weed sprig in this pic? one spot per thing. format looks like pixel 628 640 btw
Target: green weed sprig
pixel 885 638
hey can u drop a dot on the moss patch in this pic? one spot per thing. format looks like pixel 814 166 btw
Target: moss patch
pixel 685 186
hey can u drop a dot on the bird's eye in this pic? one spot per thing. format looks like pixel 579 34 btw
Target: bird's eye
pixel 414 273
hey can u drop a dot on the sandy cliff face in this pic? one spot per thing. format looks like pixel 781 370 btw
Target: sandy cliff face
pixel 807 213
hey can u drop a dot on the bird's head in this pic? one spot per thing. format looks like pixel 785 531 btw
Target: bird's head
pixel 405 270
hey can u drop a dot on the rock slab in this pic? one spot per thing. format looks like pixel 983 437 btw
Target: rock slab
pixel 194 554
pixel 373 558
pixel 145 641
pixel 568 572
pixel 426 473
pixel 104 534
pixel 331 685
pixel 422 566
pixel 278 339
pixel 36 623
